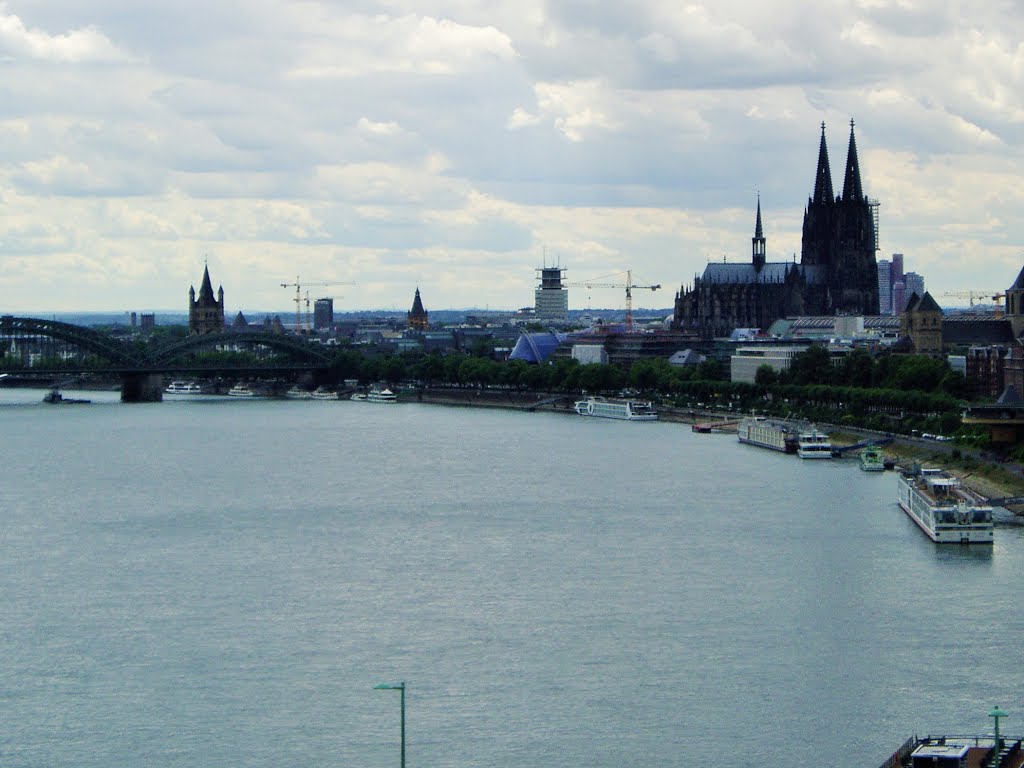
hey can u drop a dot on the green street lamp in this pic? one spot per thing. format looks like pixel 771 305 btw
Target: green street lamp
pixel 995 714
pixel 396 687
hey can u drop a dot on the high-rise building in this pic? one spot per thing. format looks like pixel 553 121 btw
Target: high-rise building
pixel 884 287
pixel 914 284
pixel 551 299
pixel 323 313
pixel 897 268
pixel 899 297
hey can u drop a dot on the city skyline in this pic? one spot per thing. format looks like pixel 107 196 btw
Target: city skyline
pixel 457 146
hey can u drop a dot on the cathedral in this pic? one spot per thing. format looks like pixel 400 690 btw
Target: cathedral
pixel 836 275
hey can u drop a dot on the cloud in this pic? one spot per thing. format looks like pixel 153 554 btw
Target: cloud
pixel 86 44
pixel 462 139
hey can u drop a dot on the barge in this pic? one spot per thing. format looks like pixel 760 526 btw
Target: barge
pixel 766 433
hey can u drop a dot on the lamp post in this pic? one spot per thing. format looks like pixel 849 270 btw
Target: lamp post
pixel 995 714
pixel 396 687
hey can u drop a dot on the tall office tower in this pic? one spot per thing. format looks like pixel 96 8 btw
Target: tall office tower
pixel 551 298
pixel 323 313
pixel 914 284
pixel 899 297
pixel 897 268
pixel 884 287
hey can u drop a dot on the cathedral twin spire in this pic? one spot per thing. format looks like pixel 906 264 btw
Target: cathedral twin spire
pixel 852 190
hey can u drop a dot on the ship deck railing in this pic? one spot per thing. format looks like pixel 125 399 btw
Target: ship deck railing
pixel 1011 753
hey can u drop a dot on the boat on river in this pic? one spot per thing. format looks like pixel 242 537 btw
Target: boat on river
pixel 627 410
pixel 768 433
pixel 813 445
pixel 871 459
pixel 54 397
pixel 943 508
pixel 181 387
pixel 323 393
pixel 376 395
pixel 958 752
pixel 241 390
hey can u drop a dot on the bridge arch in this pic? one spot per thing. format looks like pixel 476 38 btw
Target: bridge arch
pixel 116 352
pixel 294 348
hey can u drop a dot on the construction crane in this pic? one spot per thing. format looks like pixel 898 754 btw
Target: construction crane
pixel 629 285
pixel 996 297
pixel 969 295
pixel 297 285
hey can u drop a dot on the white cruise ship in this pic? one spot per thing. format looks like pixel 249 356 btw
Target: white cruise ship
pixel 628 410
pixel 385 395
pixel 946 511
pixel 241 390
pixel 183 388
pixel 814 445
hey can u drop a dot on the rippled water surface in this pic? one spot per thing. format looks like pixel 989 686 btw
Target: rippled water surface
pixel 223 582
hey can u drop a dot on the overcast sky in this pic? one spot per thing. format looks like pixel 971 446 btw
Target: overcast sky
pixel 458 145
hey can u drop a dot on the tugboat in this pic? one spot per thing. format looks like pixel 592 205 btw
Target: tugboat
pixel 54 397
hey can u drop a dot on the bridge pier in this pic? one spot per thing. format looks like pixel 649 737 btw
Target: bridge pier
pixel 142 388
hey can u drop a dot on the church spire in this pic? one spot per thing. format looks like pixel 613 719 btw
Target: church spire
pixel 851 186
pixel 206 289
pixel 823 178
pixel 757 241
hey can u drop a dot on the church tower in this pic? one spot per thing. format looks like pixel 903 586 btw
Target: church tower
pixel 839 235
pixel 205 314
pixel 418 315
pixel 757 241
pixel 1015 305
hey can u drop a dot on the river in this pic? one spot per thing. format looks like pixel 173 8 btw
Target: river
pixel 223 582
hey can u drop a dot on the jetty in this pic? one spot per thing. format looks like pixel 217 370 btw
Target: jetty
pixel 727 425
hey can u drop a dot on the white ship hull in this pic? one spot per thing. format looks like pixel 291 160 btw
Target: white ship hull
pixel 963 522
pixel 624 410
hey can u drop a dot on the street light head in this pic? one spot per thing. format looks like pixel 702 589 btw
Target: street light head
pixel 389 687
pixel 997 712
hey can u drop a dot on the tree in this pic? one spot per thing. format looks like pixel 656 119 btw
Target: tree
pixel 766 376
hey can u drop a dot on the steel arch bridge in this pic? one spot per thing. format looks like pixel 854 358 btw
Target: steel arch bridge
pixel 43 348
pixel 113 351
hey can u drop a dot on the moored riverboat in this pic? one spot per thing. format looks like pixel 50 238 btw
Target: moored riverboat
pixel 377 394
pixel 324 393
pixel 943 508
pixel 767 433
pixel 813 444
pixel 871 459
pixel 242 390
pixel 626 410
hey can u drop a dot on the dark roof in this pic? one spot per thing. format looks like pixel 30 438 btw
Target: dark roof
pixel 1018 284
pixel 417 305
pixel 912 303
pixel 928 304
pixel 974 330
pixel 771 272
pixel 758 231
pixel 1010 396
pixel 206 289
